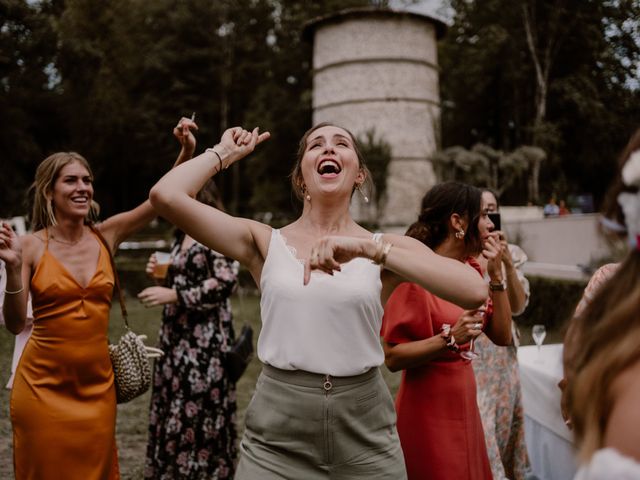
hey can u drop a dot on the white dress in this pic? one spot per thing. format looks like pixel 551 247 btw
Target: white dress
pixel 608 464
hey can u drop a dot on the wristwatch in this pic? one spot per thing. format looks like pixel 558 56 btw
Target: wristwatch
pixel 498 286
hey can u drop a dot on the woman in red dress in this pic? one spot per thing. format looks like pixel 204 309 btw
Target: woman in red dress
pixel 427 337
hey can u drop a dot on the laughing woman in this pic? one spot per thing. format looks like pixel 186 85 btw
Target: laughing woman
pixel 63 402
pixel 321 408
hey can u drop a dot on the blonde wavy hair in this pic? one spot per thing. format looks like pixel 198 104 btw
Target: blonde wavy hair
pixel 43 214
pixel 607 338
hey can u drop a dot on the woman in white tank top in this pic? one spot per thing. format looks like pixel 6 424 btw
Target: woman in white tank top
pixel 321 409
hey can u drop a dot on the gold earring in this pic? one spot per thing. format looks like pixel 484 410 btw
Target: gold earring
pixel 364 197
pixel 307 197
pixel 460 234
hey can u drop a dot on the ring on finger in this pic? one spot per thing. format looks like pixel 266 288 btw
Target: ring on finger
pixel 477 326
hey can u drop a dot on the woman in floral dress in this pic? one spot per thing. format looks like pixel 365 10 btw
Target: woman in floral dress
pixel 192 430
pixel 497 375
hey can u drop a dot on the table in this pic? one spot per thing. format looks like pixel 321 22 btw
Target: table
pixel 549 441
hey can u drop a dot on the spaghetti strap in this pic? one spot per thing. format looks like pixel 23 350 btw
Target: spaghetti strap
pixel 46 238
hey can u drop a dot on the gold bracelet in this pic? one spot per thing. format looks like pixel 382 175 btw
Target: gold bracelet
pixel 385 251
pixel 15 292
pixel 382 250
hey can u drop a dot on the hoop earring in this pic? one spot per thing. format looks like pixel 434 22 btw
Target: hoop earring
pixel 52 218
pixel 460 234
pixel 364 197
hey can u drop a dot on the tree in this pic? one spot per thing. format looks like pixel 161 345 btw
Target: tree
pixel 29 108
pixel 557 74
pixel 484 166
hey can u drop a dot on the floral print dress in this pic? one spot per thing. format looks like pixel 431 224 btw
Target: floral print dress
pixel 192 432
pixel 500 397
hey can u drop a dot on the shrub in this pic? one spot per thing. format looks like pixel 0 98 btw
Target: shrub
pixel 552 302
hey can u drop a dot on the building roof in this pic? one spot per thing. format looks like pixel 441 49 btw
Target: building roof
pixel 310 27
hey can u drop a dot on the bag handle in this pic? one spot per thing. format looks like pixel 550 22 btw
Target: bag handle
pixel 116 280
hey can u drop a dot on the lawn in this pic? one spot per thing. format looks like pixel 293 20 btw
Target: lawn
pixel 132 417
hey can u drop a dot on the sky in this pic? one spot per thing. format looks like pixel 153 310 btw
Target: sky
pixel 435 8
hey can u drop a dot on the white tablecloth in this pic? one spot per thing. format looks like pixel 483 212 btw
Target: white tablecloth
pixel 549 441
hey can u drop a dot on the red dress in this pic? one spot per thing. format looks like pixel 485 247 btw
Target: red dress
pixel 438 418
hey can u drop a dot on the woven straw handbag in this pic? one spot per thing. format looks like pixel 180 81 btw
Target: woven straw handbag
pixel 130 356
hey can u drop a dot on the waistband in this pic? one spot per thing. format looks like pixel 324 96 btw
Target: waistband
pixel 308 379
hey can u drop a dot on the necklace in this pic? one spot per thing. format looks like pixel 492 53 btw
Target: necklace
pixel 67 242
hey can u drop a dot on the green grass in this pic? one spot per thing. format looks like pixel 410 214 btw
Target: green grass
pixel 133 416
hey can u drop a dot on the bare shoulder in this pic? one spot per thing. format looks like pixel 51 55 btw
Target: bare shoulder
pixel 32 247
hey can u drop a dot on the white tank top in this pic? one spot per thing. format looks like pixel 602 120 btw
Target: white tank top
pixel 330 326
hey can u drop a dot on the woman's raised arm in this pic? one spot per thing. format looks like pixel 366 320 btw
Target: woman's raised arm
pixel 172 197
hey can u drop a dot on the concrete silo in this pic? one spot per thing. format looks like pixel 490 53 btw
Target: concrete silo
pixel 378 69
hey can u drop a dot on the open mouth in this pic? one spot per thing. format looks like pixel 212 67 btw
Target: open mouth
pixel 329 168
pixel 80 200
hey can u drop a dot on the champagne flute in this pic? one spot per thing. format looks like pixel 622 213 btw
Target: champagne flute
pixel 538 332
pixel 471 354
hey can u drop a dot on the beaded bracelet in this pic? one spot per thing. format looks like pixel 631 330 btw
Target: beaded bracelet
pixel 449 339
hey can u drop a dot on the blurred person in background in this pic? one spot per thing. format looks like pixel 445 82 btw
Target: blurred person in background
pixel 497 373
pixel 601 390
pixel 192 432
pixel 426 336
pixel 23 336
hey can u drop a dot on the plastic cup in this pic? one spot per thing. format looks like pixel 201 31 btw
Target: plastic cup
pixel 163 260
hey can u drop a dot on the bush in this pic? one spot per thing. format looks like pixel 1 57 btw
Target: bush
pixel 552 302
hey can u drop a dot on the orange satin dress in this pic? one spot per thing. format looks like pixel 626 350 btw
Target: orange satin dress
pixel 63 402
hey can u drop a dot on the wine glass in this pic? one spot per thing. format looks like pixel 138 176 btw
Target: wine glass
pixel 538 332
pixel 471 354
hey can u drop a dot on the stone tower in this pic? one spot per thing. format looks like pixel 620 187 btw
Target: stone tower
pixel 378 69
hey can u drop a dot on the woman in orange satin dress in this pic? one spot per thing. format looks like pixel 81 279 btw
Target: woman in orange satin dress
pixel 63 402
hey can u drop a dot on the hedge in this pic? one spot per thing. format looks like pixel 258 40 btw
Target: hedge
pixel 552 302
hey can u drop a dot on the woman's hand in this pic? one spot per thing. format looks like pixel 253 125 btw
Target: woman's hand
pixel 151 265
pixel 492 251
pixel 153 296
pixel 468 326
pixel 237 143
pixel 329 252
pixel 10 247
pixel 183 133
pixel 507 259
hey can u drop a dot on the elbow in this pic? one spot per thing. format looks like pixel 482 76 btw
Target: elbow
pixel 15 329
pixel 392 366
pixel 391 361
pixel 477 294
pixel 504 339
pixel 160 199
